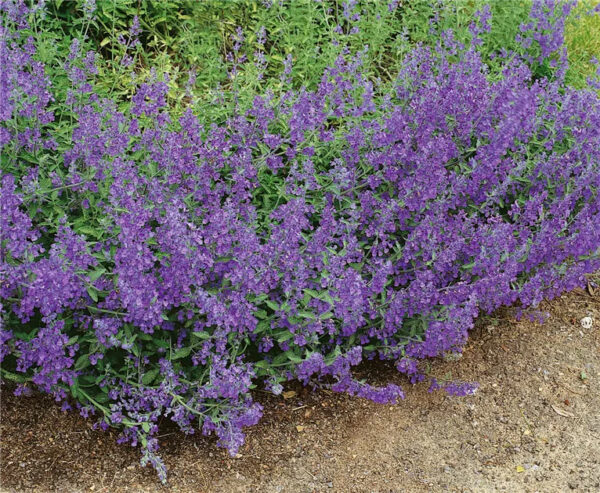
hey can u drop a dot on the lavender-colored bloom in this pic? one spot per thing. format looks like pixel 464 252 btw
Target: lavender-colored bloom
pixel 89 7
pixel 5 336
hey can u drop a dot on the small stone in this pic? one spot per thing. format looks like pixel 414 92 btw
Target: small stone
pixel 452 356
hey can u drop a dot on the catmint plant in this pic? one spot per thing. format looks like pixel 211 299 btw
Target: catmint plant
pixel 156 263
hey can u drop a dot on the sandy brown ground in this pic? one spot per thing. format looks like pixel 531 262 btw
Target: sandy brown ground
pixel 534 425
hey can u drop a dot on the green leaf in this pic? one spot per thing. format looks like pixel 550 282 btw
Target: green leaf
pixel 285 336
pixel 279 359
pixel 74 389
pixel 88 230
pixel 201 334
pixel 326 297
pixel 260 314
pixel 272 305
pixel 182 353
pixel 101 398
pixel 82 362
pixel 135 349
pixel 150 376
pixel 293 357
pixel 94 275
pixel 91 290
pixel 312 292
pixel 260 298
pixel 162 343
pixel 305 299
pixel 262 326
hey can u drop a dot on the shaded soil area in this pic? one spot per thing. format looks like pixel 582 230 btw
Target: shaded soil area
pixel 534 425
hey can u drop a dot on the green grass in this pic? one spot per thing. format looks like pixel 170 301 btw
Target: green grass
pixel 583 43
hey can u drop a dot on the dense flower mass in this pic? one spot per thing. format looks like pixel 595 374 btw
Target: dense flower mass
pixel 155 264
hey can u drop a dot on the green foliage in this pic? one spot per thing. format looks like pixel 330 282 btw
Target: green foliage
pixel 179 36
pixel 583 43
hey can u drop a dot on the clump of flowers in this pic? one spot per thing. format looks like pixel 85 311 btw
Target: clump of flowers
pixel 154 264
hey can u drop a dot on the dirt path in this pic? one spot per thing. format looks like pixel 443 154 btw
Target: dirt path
pixel 534 425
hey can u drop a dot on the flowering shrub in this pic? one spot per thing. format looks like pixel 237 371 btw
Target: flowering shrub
pixel 154 264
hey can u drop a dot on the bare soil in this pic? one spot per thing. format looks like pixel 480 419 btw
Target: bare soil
pixel 534 425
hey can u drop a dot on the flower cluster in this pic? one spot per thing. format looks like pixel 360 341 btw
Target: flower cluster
pixel 155 265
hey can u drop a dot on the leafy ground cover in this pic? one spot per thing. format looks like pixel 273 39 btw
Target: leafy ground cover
pixel 170 243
